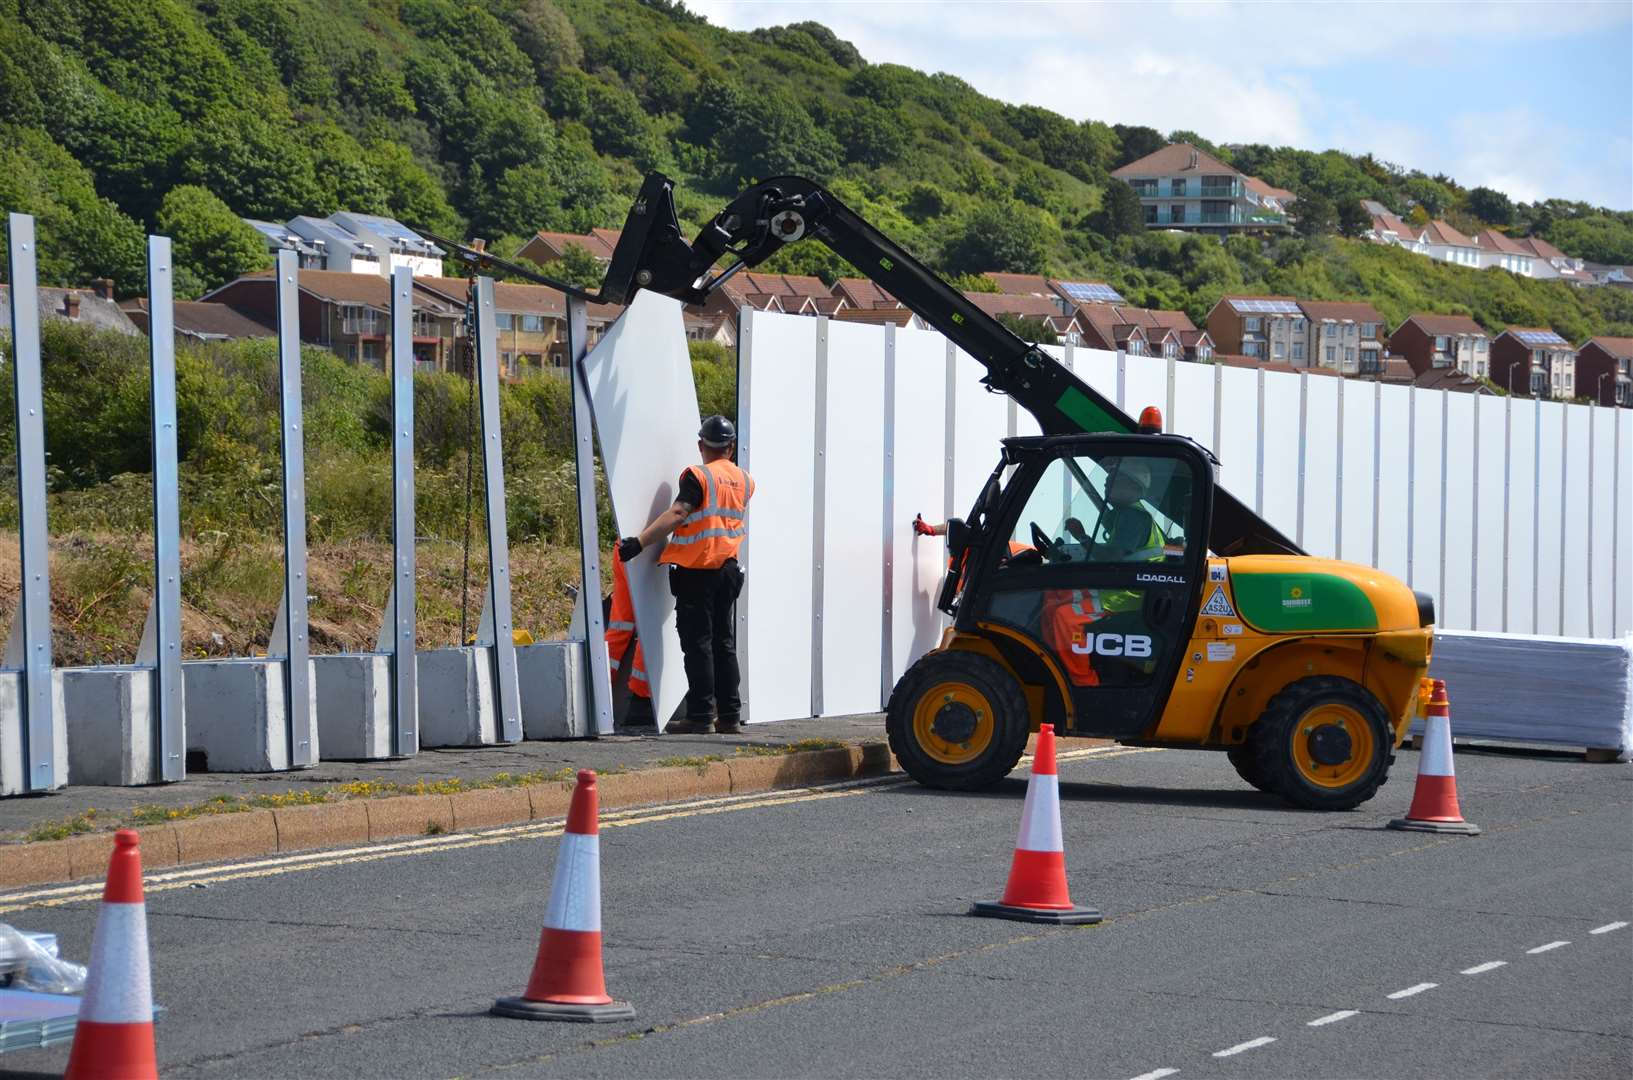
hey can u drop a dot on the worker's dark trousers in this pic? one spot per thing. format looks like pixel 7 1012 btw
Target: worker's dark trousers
pixel 705 620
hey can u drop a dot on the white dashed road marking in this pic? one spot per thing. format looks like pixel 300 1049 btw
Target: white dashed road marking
pixel 1481 969
pixel 1251 1044
pixel 1608 927
pixel 1333 1018
pixel 1156 1074
pixel 1546 948
pixel 1410 990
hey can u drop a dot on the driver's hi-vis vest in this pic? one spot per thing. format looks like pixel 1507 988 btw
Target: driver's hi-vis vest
pixel 712 534
pixel 1155 550
pixel 1069 616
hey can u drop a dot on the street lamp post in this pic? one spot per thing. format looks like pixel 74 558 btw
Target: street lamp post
pixel 1599 389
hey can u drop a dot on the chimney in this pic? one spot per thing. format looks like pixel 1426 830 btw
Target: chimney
pixel 70 304
pixel 103 287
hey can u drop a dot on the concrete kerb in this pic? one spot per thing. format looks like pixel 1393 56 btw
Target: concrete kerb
pixel 250 833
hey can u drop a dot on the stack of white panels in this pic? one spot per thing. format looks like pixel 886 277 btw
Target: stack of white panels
pixel 1575 692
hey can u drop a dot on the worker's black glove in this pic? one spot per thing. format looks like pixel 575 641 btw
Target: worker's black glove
pixel 629 547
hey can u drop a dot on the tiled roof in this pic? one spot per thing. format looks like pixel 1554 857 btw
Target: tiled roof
pixel 94 311
pixel 1259 187
pixel 1387 222
pixel 521 298
pixel 900 316
pixel 1021 284
pixel 338 286
pixel 1449 378
pixel 1175 158
pixel 1234 360
pixel 1619 347
pixel 1492 240
pixel 598 242
pixel 1032 307
pixel 1542 248
pixel 1439 232
pixel 800 285
pixel 201 319
pixel 862 293
pixel 1446 324
pixel 1341 310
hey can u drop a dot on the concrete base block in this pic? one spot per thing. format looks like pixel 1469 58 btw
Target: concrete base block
pixel 235 714
pixel 456 697
pixel 354 705
pixel 11 738
pixel 555 704
pixel 113 736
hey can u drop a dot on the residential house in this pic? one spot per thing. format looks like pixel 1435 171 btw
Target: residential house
pixel 1535 360
pixel 1603 359
pixel 1553 263
pixel 1066 294
pixel 93 307
pixel 1042 309
pixel 1183 187
pixel 1260 364
pixel 1504 252
pixel 1347 337
pixel 1435 342
pixel 530 323
pixel 352 243
pixel 350 313
pixel 899 317
pixel 201 322
pixel 796 294
pixel 1603 274
pixel 1443 243
pixel 1020 284
pixel 720 329
pixel 1169 334
pixel 1261 327
pixel 546 247
pixel 1387 228
pixel 1398 372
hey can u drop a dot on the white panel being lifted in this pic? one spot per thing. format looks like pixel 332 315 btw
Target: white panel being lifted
pixel 645 406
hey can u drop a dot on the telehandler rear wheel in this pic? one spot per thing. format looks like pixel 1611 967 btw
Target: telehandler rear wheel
pixel 957 720
pixel 1247 767
pixel 1323 743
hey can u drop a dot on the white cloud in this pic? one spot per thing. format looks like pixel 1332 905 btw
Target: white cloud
pixel 1248 72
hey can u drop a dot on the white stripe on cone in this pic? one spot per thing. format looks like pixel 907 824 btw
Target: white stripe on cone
pixel 1437 747
pixel 1040 817
pixel 118 991
pixel 575 895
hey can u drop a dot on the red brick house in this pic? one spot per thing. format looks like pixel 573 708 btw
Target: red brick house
pixel 1604 371
pixel 1534 360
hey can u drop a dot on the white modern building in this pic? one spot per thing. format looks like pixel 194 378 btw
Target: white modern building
pixel 353 244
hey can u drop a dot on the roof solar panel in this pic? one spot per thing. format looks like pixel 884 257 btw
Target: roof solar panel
pixel 1539 337
pixel 1091 292
pixel 1266 307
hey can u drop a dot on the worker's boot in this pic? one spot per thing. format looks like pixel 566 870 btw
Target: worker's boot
pixel 687 726
pixel 729 725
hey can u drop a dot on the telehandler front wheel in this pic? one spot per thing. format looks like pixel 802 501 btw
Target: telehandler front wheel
pixel 957 720
pixel 1323 743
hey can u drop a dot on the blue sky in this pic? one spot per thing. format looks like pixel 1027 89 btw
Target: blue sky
pixel 1535 99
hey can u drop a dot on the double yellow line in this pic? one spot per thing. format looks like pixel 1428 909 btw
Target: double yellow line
pixel 196 877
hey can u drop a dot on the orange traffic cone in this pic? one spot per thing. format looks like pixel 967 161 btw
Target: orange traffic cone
pixel 1434 802
pixel 114 1037
pixel 567 982
pixel 1037 877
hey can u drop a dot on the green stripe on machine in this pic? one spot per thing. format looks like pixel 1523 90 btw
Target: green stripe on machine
pixel 1292 602
pixel 1088 416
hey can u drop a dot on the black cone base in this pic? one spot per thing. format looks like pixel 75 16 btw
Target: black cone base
pixel 1076 916
pixel 1455 828
pixel 519 1008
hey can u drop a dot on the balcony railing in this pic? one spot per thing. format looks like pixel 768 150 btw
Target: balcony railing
pixel 366 325
pixel 1221 191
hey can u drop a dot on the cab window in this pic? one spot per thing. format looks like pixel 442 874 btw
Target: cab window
pixel 1108 508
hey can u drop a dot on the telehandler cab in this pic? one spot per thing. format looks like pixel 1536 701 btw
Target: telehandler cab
pixel 1103 582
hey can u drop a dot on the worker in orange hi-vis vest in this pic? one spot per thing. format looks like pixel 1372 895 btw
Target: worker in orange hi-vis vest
pixel 705 527
pixel 624 647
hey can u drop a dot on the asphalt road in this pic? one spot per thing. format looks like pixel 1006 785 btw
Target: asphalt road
pixel 823 934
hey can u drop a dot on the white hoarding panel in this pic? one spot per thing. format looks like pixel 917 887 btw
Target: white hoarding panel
pixel 1145 382
pixel 1193 403
pixel 1458 549
pixel 1578 501
pixel 1392 470
pixel 853 526
pixel 919 562
pixel 1622 527
pixel 1280 455
pixel 1355 545
pixel 1320 509
pixel 1521 526
pixel 1423 528
pixel 1602 598
pixel 645 408
pixel 1487 546
pixel 1098 368
pixel 1238 448
pixel 1549 509
pixel 777 394
pixel 980 423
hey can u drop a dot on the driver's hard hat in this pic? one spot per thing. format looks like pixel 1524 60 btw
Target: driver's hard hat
pixel 718 432
pixel 1136 470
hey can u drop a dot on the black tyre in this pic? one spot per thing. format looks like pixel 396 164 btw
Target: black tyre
pixel 1323 743
pixel 1247 767
pixel 957 720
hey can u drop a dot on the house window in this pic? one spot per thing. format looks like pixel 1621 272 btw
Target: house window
pixel 1442 344
pixel 1298 350
pixel 1253 324
pixel 1170 350
pixel 1349 330
pixel 1349 356
pixel 1204 351
pixel 1479 344
pixel 1176 188
pixel 504 321
pixel 371 352
pixel 1369 330
pixel 1176 213
pixel 1279 349
pixel 533 324
pixel 1251 348
pixel 1332 355
pixel 1298 326
pixel 1151 215
pixel 351 352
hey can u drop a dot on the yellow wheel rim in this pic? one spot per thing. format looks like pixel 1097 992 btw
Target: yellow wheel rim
pixel 1322 734
pixel 953 723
